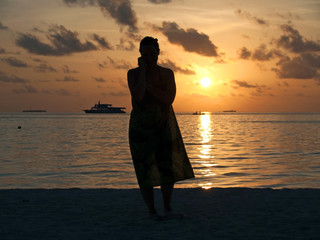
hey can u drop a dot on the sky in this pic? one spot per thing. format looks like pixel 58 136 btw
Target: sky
pixel 66 55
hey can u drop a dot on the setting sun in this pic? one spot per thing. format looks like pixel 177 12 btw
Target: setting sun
pixel 205 82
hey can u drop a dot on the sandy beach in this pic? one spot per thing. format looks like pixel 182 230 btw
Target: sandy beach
pixel 217 213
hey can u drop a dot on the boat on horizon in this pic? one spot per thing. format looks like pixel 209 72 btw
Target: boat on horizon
pixel 198 113
pixel 229 111
pixel 104 108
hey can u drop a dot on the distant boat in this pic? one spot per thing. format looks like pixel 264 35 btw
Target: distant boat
pixel 34 110
pixel 229 111
pixel 104 108
pixel 198 113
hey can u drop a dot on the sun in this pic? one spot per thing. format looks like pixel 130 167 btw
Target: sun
pixel 205 82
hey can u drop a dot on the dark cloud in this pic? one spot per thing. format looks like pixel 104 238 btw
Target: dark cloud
pixel 190 39
pixel 284 84
pixel 33 45
pixel 160 1
pixel 254 19
pixel 14 62
pixel 119 64
pixel 258 90
pixel 67 41
pixel 302 95
pixel 120 10
pixel 82 3
pixel 169 64
pixel 288 16
pixel 100 80
pixel 243 84
pixel 63 92
pixel 128 41
pixel 2 27
pixel 68 79
pixel 35 29
pixel 126 44
pixel 102 65
pixel 43 67
pixel 11 79
pixel 27 89
pixel 66 69
pixel 62 42
pixel 102 41
pixel 2 51
pixel 294 42
pixel 305 66
pixel 263 54
pixel 38 60
pixel 244 53
pixel 259 54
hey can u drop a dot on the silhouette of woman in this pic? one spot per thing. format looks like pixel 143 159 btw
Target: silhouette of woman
pixel 156 145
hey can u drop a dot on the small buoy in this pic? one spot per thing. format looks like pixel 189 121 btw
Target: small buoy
pixel 19 127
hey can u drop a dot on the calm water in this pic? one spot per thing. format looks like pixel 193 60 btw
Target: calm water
pixel 226 150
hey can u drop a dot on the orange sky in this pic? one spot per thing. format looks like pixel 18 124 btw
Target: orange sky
pixel 65 55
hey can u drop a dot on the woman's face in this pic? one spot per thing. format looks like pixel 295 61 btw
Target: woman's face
pixel 149 54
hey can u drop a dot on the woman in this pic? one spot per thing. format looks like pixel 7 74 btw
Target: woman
pixel 156 144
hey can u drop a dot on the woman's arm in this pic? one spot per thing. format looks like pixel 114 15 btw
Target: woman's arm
pixel 137 83
pixel 168 95
pixel 137 80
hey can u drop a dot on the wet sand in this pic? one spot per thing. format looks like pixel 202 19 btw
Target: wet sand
pixel 218 213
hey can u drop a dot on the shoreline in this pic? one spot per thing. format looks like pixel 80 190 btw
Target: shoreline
pixel 217 213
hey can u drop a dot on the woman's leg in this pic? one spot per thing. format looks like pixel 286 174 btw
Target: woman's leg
pixel 147 194
pixel 167 190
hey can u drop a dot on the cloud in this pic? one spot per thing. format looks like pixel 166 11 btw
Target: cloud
pixel 62 42
pixel 128 41
pixel 66 69
pixel 43 67
pixel 244 53
pixel 14 62
pixel 305 66
pixel 26 89
pixel 2 27
pixel 169 64
pixel 190 39
pixel 126 44
pixel 67 79
pixel 254 19
pixel 294 42
pixel 63 92
pixel 38 60
pixel 101 80
pixel 102 41
pixel 120 10
pixel 160 1
pixel 243 84
pixel 288 16
pixel 120 64
pixel 261 53
pixel 11 79
pixel 258 90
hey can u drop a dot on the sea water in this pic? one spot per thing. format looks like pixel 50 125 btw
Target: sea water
pixel 225 149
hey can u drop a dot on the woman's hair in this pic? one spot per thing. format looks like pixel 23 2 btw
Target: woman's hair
pixel 150 41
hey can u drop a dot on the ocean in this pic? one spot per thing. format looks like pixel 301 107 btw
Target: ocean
pixel 75 150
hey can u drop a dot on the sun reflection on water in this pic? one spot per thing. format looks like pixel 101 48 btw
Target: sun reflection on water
pixel 205 128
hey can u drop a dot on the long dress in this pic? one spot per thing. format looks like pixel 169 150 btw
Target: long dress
pixel 156 144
